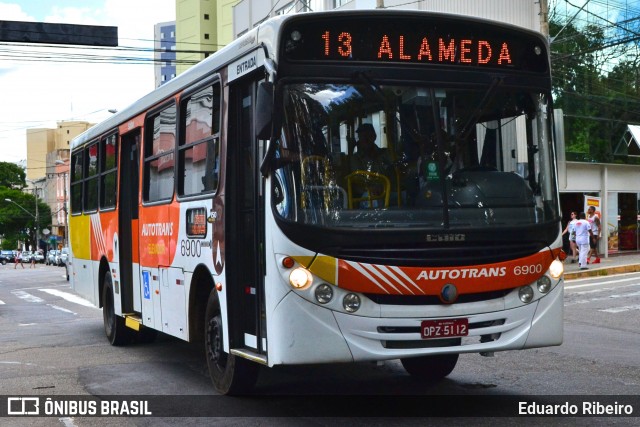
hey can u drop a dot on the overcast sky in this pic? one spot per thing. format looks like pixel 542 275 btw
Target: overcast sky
pixel 41 86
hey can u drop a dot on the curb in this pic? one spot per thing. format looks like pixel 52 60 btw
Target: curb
pixel 632 268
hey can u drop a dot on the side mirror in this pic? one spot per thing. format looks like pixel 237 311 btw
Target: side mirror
pixel 264 109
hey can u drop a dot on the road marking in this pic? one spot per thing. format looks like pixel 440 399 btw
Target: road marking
pixel 67 296
pixel 62 309
pixel 27 296
pixel 621 309
pixel 68 422
pixel 1 302
pixel 611 288
pixel 615 296
pixel 599 283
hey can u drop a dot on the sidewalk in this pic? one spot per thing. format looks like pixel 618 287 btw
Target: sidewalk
pixel 615 264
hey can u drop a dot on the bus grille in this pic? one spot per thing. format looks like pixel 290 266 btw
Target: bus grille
pixel 385 299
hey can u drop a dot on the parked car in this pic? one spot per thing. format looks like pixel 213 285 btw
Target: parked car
pixel 51 257
pixel 63 257
pixel 39 257
pixel 7 257
pixel 26 256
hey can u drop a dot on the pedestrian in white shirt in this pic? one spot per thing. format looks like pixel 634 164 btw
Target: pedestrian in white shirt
pixel 570 228
pixel 594 220
pixel 583 236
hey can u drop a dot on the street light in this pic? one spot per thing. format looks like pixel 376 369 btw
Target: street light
pixel 34 217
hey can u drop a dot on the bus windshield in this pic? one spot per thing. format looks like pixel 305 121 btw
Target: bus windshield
pixel 368 155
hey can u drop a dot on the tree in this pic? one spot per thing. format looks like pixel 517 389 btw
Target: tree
pixel 597 104
pixel 11 175
pixel 15 223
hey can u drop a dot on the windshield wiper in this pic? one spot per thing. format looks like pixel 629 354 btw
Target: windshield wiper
pixel 480 108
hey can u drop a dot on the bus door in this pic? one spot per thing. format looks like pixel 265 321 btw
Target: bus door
pixel 244 223
pixel 128 222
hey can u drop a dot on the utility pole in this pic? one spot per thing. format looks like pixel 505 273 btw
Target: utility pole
pixel 35 193
pixel 544 18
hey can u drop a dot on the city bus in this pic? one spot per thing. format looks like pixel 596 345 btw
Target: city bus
pixel 227 207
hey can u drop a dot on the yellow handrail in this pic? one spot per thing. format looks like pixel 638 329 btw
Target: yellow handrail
pixel 377 186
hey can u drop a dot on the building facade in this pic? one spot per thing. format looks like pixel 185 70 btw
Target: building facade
pixel 164 52
pixel 48 166
pixel 196 31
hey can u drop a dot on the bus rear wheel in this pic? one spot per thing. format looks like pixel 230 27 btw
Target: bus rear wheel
pixel 229 374
pixel 114 326
pixel 430 368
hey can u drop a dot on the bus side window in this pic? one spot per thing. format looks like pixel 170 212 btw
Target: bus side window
pixel 159 155
pixel 77 176
pixel 199 147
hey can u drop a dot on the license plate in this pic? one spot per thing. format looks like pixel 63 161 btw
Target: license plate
pixel 444 328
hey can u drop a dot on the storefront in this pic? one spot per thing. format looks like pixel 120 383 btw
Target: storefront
pixel 620 208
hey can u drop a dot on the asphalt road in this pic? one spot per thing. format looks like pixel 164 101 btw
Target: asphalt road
pixel 52 344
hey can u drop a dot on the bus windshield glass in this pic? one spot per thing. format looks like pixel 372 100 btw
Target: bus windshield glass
pixel 368 155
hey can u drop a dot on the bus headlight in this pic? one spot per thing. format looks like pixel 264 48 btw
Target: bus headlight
pixel 351 303
pixel 300 278
pixel 526 294
pixel 556 269
pixel 324 293
pixel 544 284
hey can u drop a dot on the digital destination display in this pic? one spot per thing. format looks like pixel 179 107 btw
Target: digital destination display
pixel 403 39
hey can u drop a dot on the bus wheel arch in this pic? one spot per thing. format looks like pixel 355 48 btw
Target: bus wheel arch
pixel 202 284
pixel 229 374
pixel 102 270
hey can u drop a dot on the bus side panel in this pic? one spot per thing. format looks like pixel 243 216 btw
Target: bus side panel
pixel 158 231
pixel 173 302
pixel 82 280
pixel 151 311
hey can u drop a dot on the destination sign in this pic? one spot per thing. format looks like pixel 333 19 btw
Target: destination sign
pixel 403 39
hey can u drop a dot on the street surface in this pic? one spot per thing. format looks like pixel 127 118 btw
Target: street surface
pixel 52 343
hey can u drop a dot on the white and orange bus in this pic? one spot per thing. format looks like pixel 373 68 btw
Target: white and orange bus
pixel 233 205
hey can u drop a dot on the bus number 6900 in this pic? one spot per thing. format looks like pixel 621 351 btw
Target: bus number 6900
pixel 190 248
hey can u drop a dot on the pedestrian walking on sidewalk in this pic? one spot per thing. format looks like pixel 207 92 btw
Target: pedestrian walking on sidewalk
pixel 583 234
pixel 594 221
pixel 570 228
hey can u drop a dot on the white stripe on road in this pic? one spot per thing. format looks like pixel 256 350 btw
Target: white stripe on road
pixel 599 283
pixel 610 288
pixel 621 309
pixel 56 307
pixel 67 296
pixel 615 296
pixel 27 296
pixel 1 302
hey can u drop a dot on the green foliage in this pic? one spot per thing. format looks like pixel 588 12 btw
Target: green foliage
pixel 17 217
pixel 597 104
pixel 11 175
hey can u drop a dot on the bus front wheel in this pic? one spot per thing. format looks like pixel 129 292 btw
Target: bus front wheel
pixel 229 374
pixel 430 368
pixel 114 327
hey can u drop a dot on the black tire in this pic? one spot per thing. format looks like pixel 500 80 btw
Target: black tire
pixel 114 327
pixel 229 374
pixel 430 368
pixel 4 262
